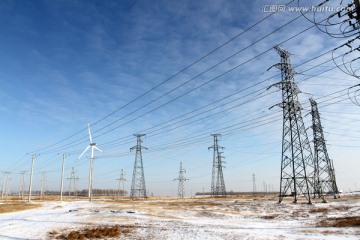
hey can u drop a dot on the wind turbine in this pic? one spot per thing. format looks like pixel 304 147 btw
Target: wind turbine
pixel 91 146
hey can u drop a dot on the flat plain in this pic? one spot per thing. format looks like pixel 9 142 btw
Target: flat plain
pixel 236 217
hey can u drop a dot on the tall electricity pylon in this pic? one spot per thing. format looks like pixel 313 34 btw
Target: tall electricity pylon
pixel 181 179
pixel 325 181
pixel 297 166
pixel 217 182
pixel 121 180
pixel 138 188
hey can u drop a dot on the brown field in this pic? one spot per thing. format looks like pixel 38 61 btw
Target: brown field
pixel 91 232
pixel 340 222
pixel 15 206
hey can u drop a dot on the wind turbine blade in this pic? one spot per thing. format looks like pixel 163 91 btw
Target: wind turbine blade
pixel 83 152
pixel 98 149
pixel 89 133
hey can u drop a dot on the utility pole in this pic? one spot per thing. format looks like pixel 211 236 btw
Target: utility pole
pixel 42 184
pixel 181 179
pixel 33 156
pixel 5 185
pixel 62 176
pixel 217 183
pixel 297 166
pixel 138 188
pixel 325 181
pixel 254 185
pixel 22 184
pixel 76 179
pixel 121 183
pixel 264 187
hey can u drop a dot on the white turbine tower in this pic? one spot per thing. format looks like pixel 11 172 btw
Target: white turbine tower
pixel 92 146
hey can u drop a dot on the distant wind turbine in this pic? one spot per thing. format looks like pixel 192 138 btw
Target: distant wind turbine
pixel 92 146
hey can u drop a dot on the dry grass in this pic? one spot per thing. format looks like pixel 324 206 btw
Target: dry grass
pixel 319 210
pixel 96 232
pixel 331 209
pixel 269 217
pixel 193 203
pixel 340 222
pixel 8 207
pixel 341 208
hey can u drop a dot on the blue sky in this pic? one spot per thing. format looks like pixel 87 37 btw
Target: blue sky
pixel 66 63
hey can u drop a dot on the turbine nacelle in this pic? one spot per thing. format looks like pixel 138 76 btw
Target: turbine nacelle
pixel 91 146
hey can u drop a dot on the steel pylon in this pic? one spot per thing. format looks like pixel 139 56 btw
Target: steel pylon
pixel 325 182
pixel 138 188
pixel 297 166
pixel 217 181
pixel 181 179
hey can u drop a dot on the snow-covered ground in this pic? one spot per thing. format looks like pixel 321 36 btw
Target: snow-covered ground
pixel 232 218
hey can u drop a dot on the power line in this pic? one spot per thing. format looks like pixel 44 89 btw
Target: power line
pixel 207 82
pixel 170 78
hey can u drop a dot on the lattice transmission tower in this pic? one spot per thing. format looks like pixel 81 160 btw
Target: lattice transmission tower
pixel 181 179
pixel 73 182
pixel 297 166
pixel 217 182
pixel 121 180
pixel 138 188
pixel 325 181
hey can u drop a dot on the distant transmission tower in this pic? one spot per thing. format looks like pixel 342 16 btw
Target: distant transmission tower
pixel 121 180
pixel 181 179
pixel 254 184
pixel 76 180
pixel 138 188
pixel 217 182
pixel 22 184
pixel 42 184
pixel 5 185
pixel 71 178
pixel 297 166
pixel 73 182
pixel 325 181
